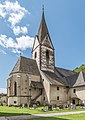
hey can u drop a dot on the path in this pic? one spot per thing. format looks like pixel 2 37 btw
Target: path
pixel 24 117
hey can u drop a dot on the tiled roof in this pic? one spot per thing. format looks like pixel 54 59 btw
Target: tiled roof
pixel 76 80
pixel 61 72
pixel 43 31
pixel 36 84
pixel 26 65
pixel 61 76
pixel 54 79
pixel 72 79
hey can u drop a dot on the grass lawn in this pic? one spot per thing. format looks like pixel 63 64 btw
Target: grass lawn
pixel 66 117
pixel 13 111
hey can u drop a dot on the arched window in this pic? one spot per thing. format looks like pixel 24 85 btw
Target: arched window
pixel 35 55
pixel 47 56
pixel 15 89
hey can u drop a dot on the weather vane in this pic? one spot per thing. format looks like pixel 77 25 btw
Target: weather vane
pixel 43 7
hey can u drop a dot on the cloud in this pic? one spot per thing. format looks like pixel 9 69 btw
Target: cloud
pixel 24 42
pixel 7 42
pixel 3 90
pixel 21 43
pixel 13 13
pixel 17 30
pixel 14 50
pixel 2 51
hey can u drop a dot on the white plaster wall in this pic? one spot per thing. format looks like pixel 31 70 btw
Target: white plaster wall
pixel 46 85
pixel 19 101
pixel 62 93
pixel 36 43
pixel 37 50
pixel 80 92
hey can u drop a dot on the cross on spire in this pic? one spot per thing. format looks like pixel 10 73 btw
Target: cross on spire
pixel 42 8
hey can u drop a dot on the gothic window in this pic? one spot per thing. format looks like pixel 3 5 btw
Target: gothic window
pixel 44 98
pixel 57 97
pixel 57 88
pixel 15 89
pixel 74 90
pixel 35 55
pixel 47 56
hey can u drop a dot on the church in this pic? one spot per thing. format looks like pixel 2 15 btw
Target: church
pixel 39 81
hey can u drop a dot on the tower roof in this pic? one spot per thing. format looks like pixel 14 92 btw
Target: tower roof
pixel 26 65
pixel 43 30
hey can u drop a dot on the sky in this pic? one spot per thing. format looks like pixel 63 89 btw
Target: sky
pixel 19 23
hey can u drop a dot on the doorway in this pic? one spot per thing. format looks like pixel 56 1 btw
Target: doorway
pixel 73 101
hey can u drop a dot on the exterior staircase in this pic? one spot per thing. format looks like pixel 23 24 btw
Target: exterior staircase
pixel 34 99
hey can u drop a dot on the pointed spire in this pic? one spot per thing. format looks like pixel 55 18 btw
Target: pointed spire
pixel 43 30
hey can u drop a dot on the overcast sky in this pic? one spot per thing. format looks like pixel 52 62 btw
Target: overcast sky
pixel 19 23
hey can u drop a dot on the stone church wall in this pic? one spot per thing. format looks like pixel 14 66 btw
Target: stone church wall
pixel 61 93
pixel 44 64
pixel 23 85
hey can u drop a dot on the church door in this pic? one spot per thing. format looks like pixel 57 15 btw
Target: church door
pixel 73 101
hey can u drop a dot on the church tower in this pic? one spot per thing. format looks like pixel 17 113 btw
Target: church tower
pixel 43 49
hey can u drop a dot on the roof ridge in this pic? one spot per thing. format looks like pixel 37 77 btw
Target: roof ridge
pixel 57 79
pixel 27 58
pixel 20 62
pixel 26 65
pixel 60 73
pixel 73 75
pixel 66 69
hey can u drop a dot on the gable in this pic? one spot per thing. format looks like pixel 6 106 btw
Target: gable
pixel 47 42
pixel 80 80
pixel 36 43
pixel 76 80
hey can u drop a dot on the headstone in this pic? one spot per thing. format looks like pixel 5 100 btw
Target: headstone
pixel 34 106
pixel 50 107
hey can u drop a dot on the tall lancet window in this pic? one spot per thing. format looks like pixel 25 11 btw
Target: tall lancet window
pixel 15 88
pixel 35 55
pixel 47 56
